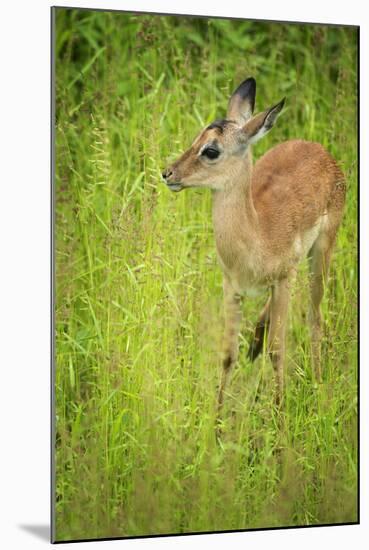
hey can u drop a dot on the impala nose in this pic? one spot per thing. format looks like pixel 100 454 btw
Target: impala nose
pixel 167 173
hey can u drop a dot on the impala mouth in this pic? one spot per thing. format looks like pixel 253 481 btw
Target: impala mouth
pixel 175 186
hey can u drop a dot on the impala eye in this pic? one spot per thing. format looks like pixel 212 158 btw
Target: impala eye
pixel 210 153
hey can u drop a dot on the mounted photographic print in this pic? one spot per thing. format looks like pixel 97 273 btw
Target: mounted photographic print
pixel 205 185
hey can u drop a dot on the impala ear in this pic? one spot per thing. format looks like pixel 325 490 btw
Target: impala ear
pixel 259 125
pixel 242 102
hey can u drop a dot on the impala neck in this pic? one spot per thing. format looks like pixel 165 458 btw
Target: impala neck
pixel 235 204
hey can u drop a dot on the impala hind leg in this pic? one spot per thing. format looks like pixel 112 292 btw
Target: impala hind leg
pixel 277 332
pixel 256 343
pixel 319 259
pixel 232 316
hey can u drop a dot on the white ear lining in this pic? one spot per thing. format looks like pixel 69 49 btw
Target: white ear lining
pixel 259 134
pixel 240 113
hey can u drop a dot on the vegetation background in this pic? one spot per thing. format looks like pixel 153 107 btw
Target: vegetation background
pixel 139 296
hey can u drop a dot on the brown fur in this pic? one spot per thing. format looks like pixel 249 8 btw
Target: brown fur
pixel 293 184
pixel 267 218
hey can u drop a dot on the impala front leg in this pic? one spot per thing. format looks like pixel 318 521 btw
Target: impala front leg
pixel 232 317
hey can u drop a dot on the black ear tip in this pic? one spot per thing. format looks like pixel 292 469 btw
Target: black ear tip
pixel 278 107
pixel 250 83
pixel 247 89
pixel 247 86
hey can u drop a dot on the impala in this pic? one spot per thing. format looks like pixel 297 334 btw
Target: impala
pixel 267 217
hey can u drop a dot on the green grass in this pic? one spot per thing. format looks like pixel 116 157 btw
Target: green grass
pixel 139 295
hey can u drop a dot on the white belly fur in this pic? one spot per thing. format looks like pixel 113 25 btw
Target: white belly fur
pixel 256 273
pixel 245 284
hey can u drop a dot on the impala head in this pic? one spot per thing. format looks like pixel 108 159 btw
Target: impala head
pixel 218 153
